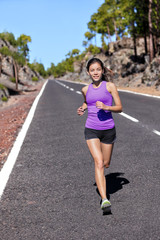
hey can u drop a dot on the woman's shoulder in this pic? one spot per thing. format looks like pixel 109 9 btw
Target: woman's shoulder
pixel 110 86
pixel 84 89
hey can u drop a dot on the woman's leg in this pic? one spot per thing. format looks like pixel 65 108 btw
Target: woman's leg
pixel 94 146
pixel 107 150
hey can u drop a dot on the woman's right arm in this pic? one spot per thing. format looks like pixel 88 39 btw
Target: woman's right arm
pixel 81 109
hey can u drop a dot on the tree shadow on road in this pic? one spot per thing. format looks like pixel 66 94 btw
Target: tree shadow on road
pixel 114 183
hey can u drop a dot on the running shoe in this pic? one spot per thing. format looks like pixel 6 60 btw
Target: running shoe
pixel 106 206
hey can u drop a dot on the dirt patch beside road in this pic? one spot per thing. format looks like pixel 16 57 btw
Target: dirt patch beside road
pixel 12 116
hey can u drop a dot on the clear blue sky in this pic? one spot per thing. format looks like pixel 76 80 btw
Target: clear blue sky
pixel 55 26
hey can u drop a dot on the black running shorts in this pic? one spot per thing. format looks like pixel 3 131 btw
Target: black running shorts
pixel 105 136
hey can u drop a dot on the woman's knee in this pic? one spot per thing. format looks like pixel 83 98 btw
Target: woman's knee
pixel 99 163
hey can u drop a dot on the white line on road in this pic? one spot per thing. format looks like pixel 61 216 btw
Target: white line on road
pixel 9 164
pixel 129 117
pixel 142 94
pixel 122 114
pixel 78 92
pixel 156 132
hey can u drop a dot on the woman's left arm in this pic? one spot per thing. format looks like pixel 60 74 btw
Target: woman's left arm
pixel 118 105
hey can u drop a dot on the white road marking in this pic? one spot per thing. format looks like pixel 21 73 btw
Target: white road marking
pixel 122 114
pixel 129 117
pixel 143 94
pixel 12 157
pixel 120 90
pixel 78 92
pixel 156 132
pixel 62 84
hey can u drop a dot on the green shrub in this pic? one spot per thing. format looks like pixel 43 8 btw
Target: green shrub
pixel 9 37
pixel 2 87
pixel 93 49
pixel 105 47
pixel 5 51
pixel 16 56
pixel 4 99
pixel 12 79
pixel 34 79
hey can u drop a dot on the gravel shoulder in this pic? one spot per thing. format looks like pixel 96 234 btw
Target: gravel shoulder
pixel 12 115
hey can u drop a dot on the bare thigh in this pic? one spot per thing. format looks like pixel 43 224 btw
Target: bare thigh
pixel 107 150
pixel 94 146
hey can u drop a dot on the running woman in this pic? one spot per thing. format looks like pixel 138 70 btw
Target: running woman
pixel 100 132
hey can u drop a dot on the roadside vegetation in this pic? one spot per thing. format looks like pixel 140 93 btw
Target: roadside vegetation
pixel 117 19
pixel 114 19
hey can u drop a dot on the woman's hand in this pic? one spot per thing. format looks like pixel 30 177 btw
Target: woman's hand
pixel 101 105
pixel 80 111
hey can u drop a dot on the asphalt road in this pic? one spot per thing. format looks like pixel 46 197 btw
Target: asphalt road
pixel 51 192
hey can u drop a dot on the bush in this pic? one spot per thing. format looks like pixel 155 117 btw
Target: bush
pixel 93 49
pixel 4 99
pixel 9 37
pixel 5 51
pixel 34 79
pixel 16 56
pixel 12 79
pixel 2 87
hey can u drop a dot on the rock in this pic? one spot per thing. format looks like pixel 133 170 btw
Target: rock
pixel 4 43
pixel 77 65
pixel 151 75
pixel 3 93
pixel 25 75
pixel 111 48
pixel 7 66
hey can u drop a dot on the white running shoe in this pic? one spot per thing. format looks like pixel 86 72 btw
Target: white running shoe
pixel 106 206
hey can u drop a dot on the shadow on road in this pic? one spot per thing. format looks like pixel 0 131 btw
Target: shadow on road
pixel 114 183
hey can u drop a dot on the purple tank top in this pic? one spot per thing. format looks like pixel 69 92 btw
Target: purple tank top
pixel 97 118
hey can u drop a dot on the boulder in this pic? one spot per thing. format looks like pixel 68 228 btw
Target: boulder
pixel 77 65
pixel 7 66
pixel 25 75
pixel 151 75
pixel 4 43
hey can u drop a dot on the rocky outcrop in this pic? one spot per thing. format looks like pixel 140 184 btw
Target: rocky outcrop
pixel 25 75
pixel 128 70
pixel 4 43
pixel 151 75
pixel 9 69
pixel 4 94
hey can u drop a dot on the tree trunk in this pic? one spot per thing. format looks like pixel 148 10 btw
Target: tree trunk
pixel 115 29
pixel 109 33
pixel 8 84
pixel 154 45
pixel 15 73
pixel 157 34
pixel 150 31
pixel 0 65
pixel 95 40
pixel 135 47
pixel 145 39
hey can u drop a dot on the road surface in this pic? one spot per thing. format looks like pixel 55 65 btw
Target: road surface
pixel 51 192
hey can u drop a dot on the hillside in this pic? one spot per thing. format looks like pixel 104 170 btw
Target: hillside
pixel 15 78
pixel 129 72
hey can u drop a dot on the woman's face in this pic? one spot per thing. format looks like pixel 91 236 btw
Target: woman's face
pixel 95 71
